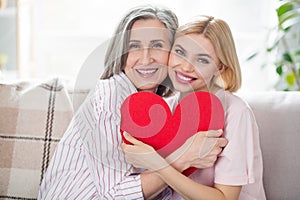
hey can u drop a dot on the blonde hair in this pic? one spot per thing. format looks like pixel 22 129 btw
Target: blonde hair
pixel 219 33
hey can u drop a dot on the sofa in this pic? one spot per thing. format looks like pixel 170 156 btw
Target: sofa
pixel 35 115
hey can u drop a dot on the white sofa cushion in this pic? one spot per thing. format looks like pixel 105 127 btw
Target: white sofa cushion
pixel 278 118
pixel 32 121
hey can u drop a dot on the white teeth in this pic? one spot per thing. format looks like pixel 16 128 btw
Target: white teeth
pixel 184 78
pixel 146 71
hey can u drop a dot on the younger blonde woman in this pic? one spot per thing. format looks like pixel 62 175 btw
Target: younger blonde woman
pixel 203 58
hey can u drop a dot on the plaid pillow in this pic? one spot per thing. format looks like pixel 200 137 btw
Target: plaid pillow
pixel 33 119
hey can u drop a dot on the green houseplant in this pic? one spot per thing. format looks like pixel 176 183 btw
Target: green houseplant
pixel 283 50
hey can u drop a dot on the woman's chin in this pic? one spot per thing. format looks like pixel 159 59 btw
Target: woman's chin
pixel 183 88
pixel 148 87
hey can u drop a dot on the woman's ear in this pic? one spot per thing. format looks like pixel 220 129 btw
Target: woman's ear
pixel 221 68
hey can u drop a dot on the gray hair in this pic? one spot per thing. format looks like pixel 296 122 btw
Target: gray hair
pixel 116 53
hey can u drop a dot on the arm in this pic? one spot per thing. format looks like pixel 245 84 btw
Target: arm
pixel 67 176
pixel 143 155
pixel 186 156
pixel 190 189
pixel 152 184
pixel 88 161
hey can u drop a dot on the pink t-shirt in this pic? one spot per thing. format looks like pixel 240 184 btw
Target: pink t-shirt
pixel 240 163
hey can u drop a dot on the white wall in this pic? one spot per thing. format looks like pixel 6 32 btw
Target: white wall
pixel 68 31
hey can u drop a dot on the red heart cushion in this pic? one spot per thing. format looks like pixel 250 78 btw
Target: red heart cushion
pixel 147 117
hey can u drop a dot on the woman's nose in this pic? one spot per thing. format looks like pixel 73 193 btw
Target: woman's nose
pixel 146 56
pixel 187 66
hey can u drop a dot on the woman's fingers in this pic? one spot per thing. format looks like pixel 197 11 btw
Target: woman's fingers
pixel 131 139
pixel 136 146
pixel 222 142
pixel 213 133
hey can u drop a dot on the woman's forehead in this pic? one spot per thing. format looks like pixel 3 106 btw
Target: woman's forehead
pixel 195 43
pixel 149 29
pixel 147 23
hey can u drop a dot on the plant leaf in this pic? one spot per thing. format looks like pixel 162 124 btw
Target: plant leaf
pixel 253 55
pixel 297 53
pixel 279 70
pixel 287 57
pixel 290 79
pixel 288 15
pixel 288 23
pixel 279 36
pixel 284 8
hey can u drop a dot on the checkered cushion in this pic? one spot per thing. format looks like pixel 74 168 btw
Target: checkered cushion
pixel 33 119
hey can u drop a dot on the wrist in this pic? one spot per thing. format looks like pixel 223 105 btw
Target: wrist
pixel 180 165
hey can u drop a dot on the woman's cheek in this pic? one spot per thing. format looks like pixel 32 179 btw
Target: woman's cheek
pixel 173 60
pixel 131 60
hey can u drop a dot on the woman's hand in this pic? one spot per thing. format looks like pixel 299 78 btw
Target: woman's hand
pixel 200 151
pixel 142 155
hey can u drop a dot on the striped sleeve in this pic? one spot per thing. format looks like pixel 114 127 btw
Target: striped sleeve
pixel 105 158
pixel 68 175
pixel 88 162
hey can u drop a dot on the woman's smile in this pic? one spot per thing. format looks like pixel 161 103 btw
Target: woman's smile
pixel 183 78
pixel 146 72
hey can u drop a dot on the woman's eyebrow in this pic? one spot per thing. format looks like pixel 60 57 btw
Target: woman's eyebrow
pixel 157 40
pixel 178 45
pixel 200 54
pixel 204 54
pixel 134 41
pixel 152 41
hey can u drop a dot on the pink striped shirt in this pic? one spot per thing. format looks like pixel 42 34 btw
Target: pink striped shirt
pixel 88 162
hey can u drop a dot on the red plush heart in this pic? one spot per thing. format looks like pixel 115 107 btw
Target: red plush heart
pixel 147 117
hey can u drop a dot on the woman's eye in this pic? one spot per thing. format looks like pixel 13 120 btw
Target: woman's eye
pixel 179 52
pixel 134 46
pixel 203 61
pixel 157 45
